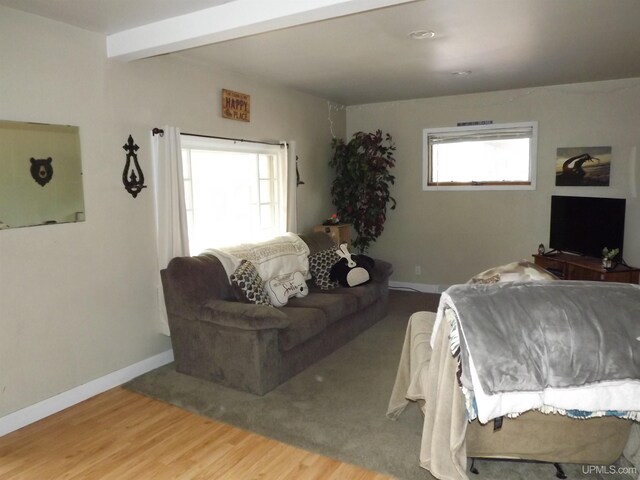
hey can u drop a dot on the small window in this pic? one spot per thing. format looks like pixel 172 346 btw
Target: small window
pixel 480 157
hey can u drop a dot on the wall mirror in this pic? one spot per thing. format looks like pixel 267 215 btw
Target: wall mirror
pixel 41 179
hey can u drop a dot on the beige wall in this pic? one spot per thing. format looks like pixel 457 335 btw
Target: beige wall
pixel 77 301
pixel 453 235
pixel 23 201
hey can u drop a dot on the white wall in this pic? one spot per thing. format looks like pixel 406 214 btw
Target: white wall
pixel 453 235
pixel 77 301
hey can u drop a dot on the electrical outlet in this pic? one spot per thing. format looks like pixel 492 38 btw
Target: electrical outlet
pixel 418 270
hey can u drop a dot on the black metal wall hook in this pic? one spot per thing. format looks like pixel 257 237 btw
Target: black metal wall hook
pixel 132 175
pixel 298 180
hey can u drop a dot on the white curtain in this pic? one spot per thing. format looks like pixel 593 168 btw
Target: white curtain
pixel 171 219
pixel 292 187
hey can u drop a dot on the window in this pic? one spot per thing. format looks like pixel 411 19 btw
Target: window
pixel 480 157
pixel 235 192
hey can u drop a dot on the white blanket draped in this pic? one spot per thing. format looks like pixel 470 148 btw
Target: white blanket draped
pixel 280 255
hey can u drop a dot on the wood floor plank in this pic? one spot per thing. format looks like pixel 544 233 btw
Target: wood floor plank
pixel 122 435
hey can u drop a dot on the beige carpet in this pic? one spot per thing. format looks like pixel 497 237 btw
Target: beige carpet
pixel 337 406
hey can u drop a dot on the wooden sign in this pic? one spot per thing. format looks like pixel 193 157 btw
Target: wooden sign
pixel 236 105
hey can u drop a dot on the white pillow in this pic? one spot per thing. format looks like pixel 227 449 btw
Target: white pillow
pixel 283 287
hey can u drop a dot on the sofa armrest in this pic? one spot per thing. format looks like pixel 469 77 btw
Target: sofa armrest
pixel 382 270
pixel 243 316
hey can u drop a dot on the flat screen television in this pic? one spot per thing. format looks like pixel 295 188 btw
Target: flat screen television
pixel 585 225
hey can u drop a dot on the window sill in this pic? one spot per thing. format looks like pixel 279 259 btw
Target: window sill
pixel 479 187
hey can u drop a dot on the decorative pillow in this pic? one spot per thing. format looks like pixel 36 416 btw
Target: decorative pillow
pixel 320 264
pixel 351 270
pixel 283 287
pixel 247 284
pixel 522 271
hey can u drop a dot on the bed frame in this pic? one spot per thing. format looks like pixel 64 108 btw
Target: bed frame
pixel 549 438
pixel 448 439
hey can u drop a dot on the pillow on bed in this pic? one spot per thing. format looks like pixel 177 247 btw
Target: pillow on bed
pixel 522 271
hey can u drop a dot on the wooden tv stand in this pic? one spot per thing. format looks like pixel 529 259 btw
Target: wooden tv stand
pixel 576 267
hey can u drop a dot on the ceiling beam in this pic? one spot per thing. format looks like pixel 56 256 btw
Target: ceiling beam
pixel 235 19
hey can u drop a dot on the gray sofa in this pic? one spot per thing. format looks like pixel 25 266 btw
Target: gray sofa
pixel 257 347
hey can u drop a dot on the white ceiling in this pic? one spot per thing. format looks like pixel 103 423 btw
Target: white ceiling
pixel 110 16
pixel 368 57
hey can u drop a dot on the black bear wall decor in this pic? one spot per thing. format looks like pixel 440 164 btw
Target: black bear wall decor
pixel 42 170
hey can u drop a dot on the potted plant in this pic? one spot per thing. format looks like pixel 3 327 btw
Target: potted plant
pixel 360 190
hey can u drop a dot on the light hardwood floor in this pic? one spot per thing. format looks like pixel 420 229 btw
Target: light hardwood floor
pixel 123 435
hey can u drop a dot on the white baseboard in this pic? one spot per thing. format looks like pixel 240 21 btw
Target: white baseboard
pixel 40 410
pixel 420 287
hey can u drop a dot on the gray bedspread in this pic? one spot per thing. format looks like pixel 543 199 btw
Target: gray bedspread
pixel 530 336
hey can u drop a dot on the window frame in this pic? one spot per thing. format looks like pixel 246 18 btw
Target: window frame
pixel 276 164
pixel 468 130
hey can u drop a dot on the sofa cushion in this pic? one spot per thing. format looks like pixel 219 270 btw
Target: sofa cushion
pixel 318 241
pixel 194 281
pixel 381 271
pixel 365 294
pixel 248 285
pixel 320 264
pixel 334 305
pixel 242 316
pixel 304 323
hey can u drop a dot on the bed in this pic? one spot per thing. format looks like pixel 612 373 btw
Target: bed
pixel 428 374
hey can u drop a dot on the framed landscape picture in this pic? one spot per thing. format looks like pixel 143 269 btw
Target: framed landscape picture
pixel 583 166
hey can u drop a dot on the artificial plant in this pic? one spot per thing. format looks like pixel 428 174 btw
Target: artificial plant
pixel 360 190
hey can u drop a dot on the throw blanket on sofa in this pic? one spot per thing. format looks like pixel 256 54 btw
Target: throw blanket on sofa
pixel 563 345
pixel 284 254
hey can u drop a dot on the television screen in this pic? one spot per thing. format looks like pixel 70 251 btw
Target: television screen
pixel 585 225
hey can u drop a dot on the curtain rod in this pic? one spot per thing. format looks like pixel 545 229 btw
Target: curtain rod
pixel 159 131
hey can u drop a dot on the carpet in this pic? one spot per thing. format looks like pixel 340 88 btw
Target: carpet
pixel 337 406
